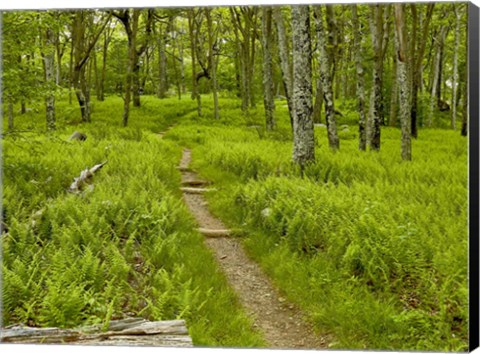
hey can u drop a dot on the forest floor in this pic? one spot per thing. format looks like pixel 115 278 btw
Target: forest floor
pixel 280 321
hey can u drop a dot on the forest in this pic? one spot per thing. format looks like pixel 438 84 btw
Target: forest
pixel 276 176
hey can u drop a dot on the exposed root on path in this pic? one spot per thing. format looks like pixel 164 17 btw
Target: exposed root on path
pixel 281 323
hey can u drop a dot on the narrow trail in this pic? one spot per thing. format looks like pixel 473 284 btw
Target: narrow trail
pixel 281 322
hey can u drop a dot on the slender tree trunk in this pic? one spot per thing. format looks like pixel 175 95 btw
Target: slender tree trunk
pixel 436 74
pixel 59 52
pixel 193 49
pixel 377 109
pixel 213 69
pixel 455 64
pixel 162 61
pixel 136 82
pixel 49 61
pixel 251 65
pixel 285 64
pixel 101 84
pixel 357 38
pixel 465 100
pixel 303 132
pixel 327 81
pixel 71 76
pixel 317 107
pixel 403 61
pixel 417 68
pixel 394 95
pixel 268 87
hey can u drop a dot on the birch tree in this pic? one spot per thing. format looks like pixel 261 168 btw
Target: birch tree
pixel 357 38
pixel 403 82
pixel 325 59
pixel 303 132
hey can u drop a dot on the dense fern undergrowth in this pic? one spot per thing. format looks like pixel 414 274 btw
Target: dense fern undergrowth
pixel 127 247
pixel 373 249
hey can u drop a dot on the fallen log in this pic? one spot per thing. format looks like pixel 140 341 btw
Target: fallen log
pixel 129 331
pixel 83 179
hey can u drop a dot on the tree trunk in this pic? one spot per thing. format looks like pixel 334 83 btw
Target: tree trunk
pixel 303 132
pixel 436 73
pixel 71 68
pixel 285 63
pixel 417 68
pixel 213 69
pixel 162 61
pixel 325 60
pixel 403 62
pixel 317 107
pixel 82 47
pixel 101 84
pixel 394 95
pixel 376 24
pixel 59 52
pixel 455 64
pixel 268 86
pixel 466 79
pixel 357 37
pixel 193 49
pixel 49 61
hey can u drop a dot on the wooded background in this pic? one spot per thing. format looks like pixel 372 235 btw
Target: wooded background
pixel 392 64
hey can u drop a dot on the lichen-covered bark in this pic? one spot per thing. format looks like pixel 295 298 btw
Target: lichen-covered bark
pixel 268 88
pixel 403 81
pixel 303 134
pixel 362 131
pixel 285 64
pixel 326 78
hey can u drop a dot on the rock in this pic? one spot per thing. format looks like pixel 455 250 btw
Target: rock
pixel 266 212
pixel 78 136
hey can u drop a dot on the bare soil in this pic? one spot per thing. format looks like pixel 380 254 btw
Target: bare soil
pixel 282 323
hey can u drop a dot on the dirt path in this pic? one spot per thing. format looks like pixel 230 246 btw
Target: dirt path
pixel 282 323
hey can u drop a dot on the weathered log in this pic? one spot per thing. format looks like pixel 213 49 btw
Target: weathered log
pixel 85 176
pixel 184 169
pixel 129 331
pixel 214 232
pixel 191 190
